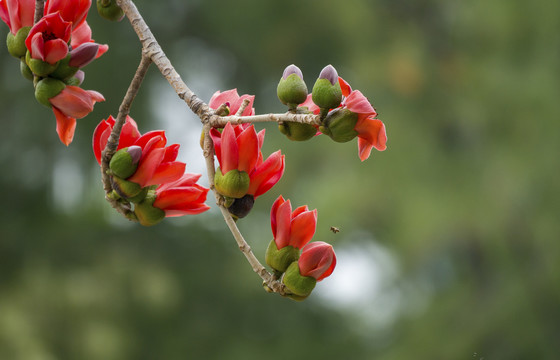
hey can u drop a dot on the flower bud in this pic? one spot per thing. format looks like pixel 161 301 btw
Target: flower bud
pixel 291 89
pixel 317 260
pixel 233 184
pixel 125 189
pixel 296 283
pixel 16 43
pixel 109 10
pixel 297 131
pixel 48 88
pixel 327 93
pixel 339 125
pixel 125 161
pixel 241 207
pixel 280 259
pixel 146 213
pixel 83 54
pixel 39 67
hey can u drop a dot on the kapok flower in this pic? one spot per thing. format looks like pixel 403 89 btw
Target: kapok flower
pixel 316 262
pixel 181 197
pixel 17 14
pixel 266 173
pixel 74 11
pixel 156 165
pixel 70 104
pixel 237 149
pixel 291 232
pixel 48 39
pixel 233 101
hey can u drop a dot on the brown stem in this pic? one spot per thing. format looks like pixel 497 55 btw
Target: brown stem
pixel 39 9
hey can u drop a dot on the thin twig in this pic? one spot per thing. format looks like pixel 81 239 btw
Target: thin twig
pixel 113 141
pixel 39 9
pixel 221 121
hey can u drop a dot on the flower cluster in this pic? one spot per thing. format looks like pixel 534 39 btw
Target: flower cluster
pixel 300 264
pixel 243 174
pixel 144 172
pixel 345 113
pixel 52 53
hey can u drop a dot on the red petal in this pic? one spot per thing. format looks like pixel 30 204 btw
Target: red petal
pixel 273 212
pixel 171 153
pixel 129 133
pixel 283 220
pixel 371 133
pixel 230 151
pixel 219 98
pixel 167 172
pixel 359 104
pixel 248 149
pixel 266 175
pixel 216 136
pixel 37 47
pixel 55 50
pixel 65 126
pixel 100 136
pixel 344 86
pixel 303 228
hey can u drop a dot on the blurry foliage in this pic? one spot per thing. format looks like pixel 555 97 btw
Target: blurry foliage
pixel 466 196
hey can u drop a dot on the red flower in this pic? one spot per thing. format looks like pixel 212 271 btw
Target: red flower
pixel 17 13
pixel 48 39
pixel 317 260
pixel 74 11
pixel 237 147
pixel 234 101
pixel 371 131
pixel 182 197
pixel 70 104
pixel 292 228
pixel 157 164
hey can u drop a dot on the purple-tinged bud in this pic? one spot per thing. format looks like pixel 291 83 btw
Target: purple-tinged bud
pixel 77 80
pixel 327 93
pixel 125 161
pixel 291 89
pixel 83 54
pixel 292 69
pixel 329 73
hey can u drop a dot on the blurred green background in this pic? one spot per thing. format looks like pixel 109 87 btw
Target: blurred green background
pixel 449 240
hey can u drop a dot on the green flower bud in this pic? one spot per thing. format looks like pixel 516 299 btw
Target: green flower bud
pixel 76 80
pixel 64 71
pixel 297 131
pixel 39 67
pixel 339 125
pixel 327 93
pixel 145 212
pixel 125 161
pixel 16 43
pixel 296 283
pixel 109 10
pixel 233 184
pixel 140 196
pixel 291 89
pixel 280 259
pixel 48 88
pixel 241 207
pixel 125 189
pixel 25 70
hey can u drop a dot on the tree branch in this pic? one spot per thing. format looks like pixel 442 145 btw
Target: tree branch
pixel 39 9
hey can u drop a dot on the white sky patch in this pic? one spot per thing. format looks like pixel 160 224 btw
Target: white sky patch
pixel 363 284
pixel 68 183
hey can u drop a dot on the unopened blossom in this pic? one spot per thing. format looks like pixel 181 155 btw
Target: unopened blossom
pixel 317 260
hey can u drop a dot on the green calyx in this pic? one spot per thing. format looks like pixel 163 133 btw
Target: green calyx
pixel 292 90
pixel 146 213
pixel 125 189
pixel 234 183
pixel 25 70
pixel 339 125
pixel 39 67
pixel 280 259
pixel 48 88
pixel 125 161
pixel 297 131
pixel 16 43
pixel 64 71
pixel 298 285
pixel 326 95
pixel 108 9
